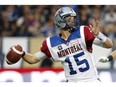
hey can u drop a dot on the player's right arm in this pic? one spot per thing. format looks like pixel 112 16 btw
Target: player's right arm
pixel 42 54
pixel 34 58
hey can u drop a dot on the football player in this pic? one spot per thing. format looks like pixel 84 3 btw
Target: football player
pixel 72 47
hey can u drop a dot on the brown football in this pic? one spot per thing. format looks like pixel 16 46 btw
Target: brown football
pixel 12 56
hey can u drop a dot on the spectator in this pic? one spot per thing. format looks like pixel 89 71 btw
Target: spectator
pixel 110 15
pixel 49 29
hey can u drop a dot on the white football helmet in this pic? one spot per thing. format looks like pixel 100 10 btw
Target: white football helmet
pixel 60 15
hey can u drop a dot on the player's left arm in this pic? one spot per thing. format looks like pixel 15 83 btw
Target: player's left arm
pixel 95 29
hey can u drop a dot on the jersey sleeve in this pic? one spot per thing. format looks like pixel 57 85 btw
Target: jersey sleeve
pixel 89 38
pixel 44 49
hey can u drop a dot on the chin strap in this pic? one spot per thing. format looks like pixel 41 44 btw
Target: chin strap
pixel 71 29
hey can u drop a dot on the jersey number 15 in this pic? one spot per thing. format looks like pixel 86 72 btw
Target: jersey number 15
pixel 78 62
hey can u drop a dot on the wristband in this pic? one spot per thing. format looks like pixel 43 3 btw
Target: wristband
pixel 23 54
pixel 101 37
pixel 110 58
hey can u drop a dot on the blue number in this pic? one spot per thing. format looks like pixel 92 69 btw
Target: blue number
pixel 72 71
pixel 84 61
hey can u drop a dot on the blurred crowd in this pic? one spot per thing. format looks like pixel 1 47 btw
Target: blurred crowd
pixel 37 20
pixel 27 20
pixel 105 14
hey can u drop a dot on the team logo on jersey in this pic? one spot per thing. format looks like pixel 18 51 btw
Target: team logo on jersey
pixel 59 47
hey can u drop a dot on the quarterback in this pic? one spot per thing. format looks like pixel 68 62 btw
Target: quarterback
pixel 72 47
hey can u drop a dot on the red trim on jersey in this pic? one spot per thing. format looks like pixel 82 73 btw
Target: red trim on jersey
pixel 89 38
pixel 45 49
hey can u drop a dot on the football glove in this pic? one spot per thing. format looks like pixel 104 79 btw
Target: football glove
pixel 103 59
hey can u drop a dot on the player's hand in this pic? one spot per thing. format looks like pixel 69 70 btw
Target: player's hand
pixel 103 59
pixel 95 27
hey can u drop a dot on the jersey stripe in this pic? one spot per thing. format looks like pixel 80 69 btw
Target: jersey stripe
pixel 49 46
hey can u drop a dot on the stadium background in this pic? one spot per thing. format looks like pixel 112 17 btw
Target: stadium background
pixel 29 25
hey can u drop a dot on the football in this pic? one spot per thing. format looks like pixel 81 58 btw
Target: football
pixel 14 54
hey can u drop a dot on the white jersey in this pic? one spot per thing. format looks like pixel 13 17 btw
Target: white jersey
pixel 75 54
